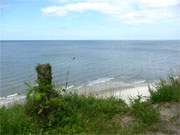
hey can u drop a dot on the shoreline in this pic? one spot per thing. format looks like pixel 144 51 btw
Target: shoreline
pixel 101 90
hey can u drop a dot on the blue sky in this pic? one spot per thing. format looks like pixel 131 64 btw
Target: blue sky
pixel 89 19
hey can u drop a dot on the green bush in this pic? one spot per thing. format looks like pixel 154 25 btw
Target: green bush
pixel 145 112
pixel 167 90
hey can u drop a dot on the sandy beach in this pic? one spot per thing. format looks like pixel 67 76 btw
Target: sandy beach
pixel 125 91
pixel 100 90
pixel 121 90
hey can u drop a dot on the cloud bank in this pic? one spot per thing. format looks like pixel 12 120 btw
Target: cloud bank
pixel 128 11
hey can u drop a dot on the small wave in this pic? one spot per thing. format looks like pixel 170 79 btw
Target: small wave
pixel 13 95
pixel 140 82
pixel 10 99
pixel 10 96
pixel 100 80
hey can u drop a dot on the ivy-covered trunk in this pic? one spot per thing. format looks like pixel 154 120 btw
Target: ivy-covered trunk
pixel 39 97
pixel 44 77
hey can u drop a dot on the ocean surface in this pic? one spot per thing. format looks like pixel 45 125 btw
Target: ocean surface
pixel 88 62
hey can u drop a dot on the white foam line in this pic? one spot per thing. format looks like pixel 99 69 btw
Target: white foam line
pixel 12 99
pixel 13 95
pixel 100 80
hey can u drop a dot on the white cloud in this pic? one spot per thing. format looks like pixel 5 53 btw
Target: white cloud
pixel 79 7
pixel 128 11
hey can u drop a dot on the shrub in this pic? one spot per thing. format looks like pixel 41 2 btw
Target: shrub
pixel 167 90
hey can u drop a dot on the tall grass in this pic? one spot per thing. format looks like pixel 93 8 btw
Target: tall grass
pixel 166 91
pixel 13 120
pixel 79 114
pixel 68 114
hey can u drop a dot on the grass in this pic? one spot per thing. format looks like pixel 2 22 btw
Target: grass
pixel 13 120
pixel 167 91
pixel 80 114
pixel 145 112
pixel 92 115
pixel 71 114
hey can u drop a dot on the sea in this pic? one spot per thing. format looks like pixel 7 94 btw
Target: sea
pixel 85 63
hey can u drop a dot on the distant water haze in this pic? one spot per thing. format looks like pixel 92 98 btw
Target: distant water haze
pixel 88 62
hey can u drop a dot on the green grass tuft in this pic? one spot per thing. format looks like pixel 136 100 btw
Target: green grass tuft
pixel 166 91
pixel 144 112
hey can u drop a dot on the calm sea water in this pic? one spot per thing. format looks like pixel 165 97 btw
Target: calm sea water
pixel 96 61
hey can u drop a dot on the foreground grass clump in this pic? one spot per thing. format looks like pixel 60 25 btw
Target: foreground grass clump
pixel 167 90
pixel 87 114
pixel 70 114
pixel 145 112
pixel 13 120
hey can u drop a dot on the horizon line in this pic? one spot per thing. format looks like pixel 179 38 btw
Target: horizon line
pixel 89 39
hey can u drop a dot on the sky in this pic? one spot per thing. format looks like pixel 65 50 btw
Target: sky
pixel 90 20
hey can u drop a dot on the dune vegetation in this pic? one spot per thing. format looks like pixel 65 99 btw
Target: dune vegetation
pixel 47 111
